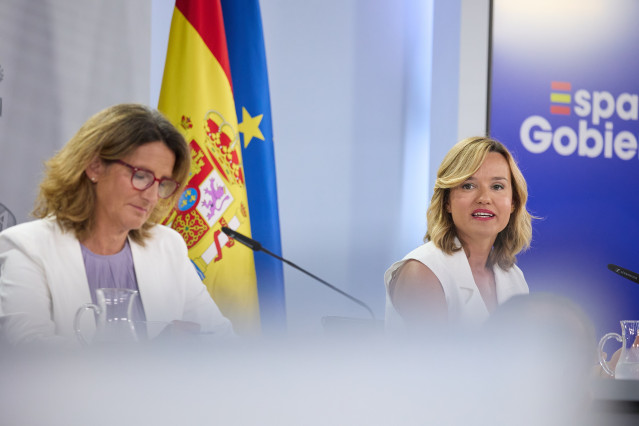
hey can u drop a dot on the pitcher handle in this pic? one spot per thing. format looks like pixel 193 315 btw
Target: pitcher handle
pixel 602 342
pixel 76 322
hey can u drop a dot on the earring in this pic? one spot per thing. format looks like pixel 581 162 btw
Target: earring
pixel 93 179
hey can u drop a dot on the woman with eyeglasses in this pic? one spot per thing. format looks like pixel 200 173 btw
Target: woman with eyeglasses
pixel 99 208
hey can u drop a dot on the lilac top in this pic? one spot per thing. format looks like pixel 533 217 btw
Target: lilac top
pixel 113 271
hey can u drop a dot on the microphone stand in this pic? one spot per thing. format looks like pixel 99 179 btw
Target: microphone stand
pixel 256 246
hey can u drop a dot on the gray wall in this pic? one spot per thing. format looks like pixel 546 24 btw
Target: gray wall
pixel 62 61
pixel 367 96
pixel 366 101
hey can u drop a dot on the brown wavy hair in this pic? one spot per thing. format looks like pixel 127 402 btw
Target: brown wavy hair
pixel 460 163
pixel 66 192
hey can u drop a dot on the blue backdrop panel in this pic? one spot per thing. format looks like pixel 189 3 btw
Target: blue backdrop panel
pixel 563 97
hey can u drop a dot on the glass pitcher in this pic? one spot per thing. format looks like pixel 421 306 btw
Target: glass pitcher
pixel 112 316
pixel 628 365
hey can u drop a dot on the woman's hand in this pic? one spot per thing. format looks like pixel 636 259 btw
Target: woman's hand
pixel 612 364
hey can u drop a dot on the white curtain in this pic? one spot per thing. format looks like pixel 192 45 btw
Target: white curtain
pixel 61 61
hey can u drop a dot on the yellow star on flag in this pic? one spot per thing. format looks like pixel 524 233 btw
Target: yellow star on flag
pixel 250 126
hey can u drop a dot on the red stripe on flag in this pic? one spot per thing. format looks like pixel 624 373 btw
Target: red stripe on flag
pixel 207 19
pixel 561 110
pixel 560 85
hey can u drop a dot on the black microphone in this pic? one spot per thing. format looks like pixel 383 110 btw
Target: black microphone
pixel 249 242
pixel 256 246
pixel 632 276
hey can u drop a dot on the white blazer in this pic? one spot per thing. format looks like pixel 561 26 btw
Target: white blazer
pixel 43 282
pixel 466 307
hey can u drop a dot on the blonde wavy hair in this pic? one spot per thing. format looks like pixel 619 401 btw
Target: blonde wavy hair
pixel 67 194
pixel 461 162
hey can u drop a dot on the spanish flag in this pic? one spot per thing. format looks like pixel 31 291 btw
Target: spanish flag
pixel 197 96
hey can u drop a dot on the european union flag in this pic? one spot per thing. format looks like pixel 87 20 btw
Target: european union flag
pixel 245 41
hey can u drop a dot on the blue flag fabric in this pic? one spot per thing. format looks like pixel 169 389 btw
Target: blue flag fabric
pixel 247 57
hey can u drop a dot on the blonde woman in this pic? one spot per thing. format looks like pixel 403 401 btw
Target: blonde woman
pixel 99 205
pixel 477 223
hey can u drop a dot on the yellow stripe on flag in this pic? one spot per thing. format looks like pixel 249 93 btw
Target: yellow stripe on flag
pixel 197 97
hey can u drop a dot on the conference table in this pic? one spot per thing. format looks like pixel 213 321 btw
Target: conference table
pixel 615 402
pixel 312 380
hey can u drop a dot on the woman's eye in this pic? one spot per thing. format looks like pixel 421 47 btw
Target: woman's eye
pixel 498 186
pixel 139 175
pixel 467 186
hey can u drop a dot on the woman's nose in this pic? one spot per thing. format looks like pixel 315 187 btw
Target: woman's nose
pixel 483 196
pixel 151 194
